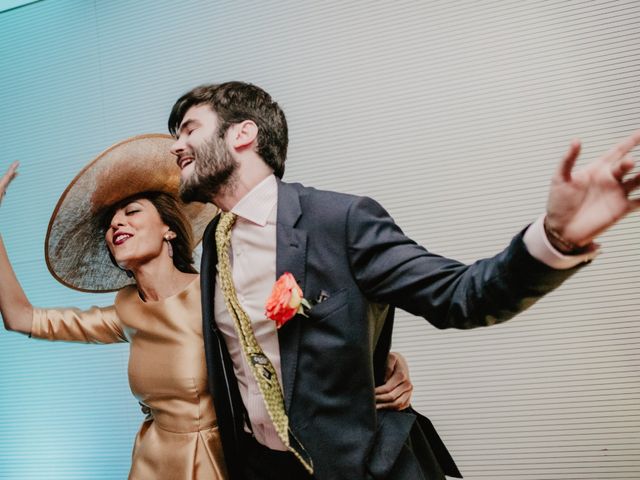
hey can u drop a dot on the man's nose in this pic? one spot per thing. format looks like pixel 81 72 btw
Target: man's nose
pixel 177 147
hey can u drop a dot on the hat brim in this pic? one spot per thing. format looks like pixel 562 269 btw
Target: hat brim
pixel 75 248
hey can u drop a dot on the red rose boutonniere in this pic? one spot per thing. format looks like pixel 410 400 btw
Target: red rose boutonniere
pixel 285 301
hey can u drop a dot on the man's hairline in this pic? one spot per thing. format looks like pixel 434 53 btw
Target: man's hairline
pixel 179 128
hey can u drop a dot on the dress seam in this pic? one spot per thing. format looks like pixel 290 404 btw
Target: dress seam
pixel 195 387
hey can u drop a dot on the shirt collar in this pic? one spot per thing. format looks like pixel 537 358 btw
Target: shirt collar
pixel 257 205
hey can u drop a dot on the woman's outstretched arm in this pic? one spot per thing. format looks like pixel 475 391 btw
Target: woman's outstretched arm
pixel 16 310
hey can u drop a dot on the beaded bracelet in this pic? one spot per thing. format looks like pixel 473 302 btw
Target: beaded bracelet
pixel 568 247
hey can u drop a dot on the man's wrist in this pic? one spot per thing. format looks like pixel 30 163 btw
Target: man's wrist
pixel 564 246
pixel 539 246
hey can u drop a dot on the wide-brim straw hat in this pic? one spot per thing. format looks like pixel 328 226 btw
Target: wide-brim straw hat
pixel 75 247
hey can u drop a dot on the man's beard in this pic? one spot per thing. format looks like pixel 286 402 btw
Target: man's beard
pixel 214 169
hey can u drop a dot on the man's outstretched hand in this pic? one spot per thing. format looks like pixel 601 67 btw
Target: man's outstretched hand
pixel 585 203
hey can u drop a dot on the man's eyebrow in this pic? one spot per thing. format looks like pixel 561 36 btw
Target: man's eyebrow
pixel 186 124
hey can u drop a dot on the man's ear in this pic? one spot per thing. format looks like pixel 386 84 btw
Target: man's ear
pixel 243 134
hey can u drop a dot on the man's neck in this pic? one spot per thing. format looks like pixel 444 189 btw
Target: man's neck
pixel 246 178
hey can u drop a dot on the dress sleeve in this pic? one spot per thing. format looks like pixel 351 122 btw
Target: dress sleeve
pixel 95 325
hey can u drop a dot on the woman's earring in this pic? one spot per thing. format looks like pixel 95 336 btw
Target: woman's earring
pixel 129 273
pixel 167 238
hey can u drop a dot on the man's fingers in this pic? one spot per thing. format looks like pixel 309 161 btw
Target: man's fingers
pixel 634 204
pixel 632 183
pixel 569 160
pixel 616 156
pixel 623 148
pixel 621 168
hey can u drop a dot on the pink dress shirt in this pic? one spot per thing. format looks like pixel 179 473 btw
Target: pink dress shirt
pixel 253 264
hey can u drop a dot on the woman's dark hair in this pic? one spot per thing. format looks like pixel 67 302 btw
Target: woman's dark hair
pixel 173 216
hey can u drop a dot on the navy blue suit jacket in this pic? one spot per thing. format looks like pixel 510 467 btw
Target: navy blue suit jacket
pixel 350 248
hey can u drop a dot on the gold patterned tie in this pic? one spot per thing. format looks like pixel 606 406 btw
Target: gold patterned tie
pixel 261 367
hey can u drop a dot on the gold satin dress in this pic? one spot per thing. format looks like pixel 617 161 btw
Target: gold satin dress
pixel 179 439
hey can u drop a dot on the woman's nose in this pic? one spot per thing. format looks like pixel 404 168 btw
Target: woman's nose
pixel 118 220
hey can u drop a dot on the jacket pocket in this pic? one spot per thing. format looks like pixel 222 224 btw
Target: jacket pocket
pixel 330 305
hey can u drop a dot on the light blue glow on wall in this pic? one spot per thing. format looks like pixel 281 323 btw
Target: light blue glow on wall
pixel 67 412
pixel 9 4
pixel 78 76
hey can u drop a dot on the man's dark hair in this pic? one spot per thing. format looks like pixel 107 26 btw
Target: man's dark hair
pixel 234 102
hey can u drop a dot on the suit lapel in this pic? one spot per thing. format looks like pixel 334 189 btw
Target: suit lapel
pixel 291 253
pixel 208 262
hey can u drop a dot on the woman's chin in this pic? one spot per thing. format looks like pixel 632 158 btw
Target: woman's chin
pixel 125 264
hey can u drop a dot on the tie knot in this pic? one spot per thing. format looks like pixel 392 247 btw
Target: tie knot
pixel 227 220
pixel 223 231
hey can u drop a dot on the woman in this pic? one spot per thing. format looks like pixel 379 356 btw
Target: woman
pixel 126 199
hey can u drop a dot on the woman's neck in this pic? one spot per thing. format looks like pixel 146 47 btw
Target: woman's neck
pixel 158 280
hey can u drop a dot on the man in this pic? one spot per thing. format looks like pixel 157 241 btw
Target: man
pixel 354 265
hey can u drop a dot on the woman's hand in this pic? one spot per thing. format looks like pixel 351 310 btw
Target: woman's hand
pixel 15 308
pixel 9 175
pixel 395 393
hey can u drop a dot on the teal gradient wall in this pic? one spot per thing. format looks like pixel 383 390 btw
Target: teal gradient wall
pixel 77 76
